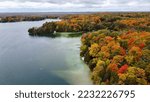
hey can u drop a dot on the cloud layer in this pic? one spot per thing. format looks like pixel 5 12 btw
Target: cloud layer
pixel 73 5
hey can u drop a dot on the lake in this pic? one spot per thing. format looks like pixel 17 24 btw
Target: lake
pixel 27 60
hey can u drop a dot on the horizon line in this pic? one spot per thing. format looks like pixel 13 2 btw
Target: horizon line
pixel 70 11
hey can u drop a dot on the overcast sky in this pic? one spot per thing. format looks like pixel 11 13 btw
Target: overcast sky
pixel 73 5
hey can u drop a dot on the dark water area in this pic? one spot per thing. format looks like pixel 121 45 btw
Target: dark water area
pixel 27 60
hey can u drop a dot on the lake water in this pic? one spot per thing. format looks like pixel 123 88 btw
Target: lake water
pixel 26 60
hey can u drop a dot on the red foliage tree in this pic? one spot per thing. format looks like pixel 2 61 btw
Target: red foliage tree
pixel 123 69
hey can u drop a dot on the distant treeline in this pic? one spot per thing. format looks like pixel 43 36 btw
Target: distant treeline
pixel 94 22
pixel 24 18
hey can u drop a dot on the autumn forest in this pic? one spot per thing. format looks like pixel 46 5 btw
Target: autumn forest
pixel 115 46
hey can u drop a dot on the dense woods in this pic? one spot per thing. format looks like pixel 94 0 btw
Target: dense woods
pixel 120 53
pixel 94 22
pixel 117 57
pixel 72 23
pixel 115 46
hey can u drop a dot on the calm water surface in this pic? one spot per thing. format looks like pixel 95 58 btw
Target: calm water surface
pixel 39 60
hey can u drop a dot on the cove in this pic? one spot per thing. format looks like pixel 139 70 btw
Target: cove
pixel 28 60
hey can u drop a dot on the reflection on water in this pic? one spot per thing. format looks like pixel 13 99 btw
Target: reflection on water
pixel 60 34
pixel 39 60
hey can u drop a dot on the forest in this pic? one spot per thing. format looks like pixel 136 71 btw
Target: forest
pixel 115 46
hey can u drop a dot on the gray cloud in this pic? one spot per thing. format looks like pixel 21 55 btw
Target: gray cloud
pixel 81 1
pixel 75 5
pixel 60 1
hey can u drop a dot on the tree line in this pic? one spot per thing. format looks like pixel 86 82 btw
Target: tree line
pixel 24 18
